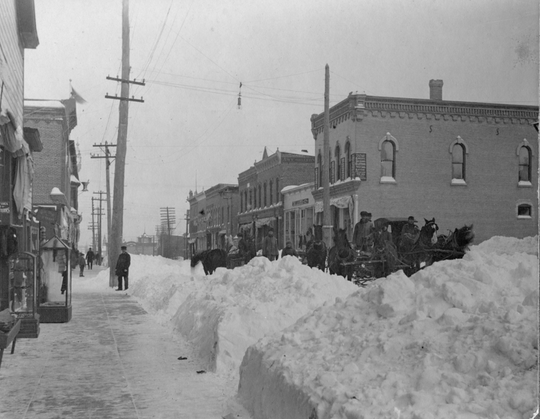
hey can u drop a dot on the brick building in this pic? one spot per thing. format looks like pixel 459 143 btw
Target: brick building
pixel 261 200
pixel 460 162
pixel 222 204
pixel 55 168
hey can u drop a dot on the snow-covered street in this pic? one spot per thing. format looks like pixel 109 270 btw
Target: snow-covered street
pixel 112 360
pixel 456 340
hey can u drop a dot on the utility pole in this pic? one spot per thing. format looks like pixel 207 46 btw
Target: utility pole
pixel 327 227
pixel 186 236
pixel 108 163
pixel 167 218
pixel 100 199
pixel 93 226
pixel 117 218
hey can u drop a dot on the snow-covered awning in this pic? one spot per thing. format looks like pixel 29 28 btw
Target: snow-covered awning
pixel 340 202
pixel 264 221
pixel 74 180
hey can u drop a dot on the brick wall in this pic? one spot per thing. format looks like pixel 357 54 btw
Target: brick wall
pixel 424 172
pixel 49 164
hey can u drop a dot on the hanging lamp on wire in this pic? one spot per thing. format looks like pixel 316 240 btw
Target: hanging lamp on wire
pixel 240 96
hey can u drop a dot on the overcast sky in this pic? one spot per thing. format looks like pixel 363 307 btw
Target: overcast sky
pixel 189 134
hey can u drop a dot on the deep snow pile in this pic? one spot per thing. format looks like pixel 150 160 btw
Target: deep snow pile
pixel 456 340
pixel 224 313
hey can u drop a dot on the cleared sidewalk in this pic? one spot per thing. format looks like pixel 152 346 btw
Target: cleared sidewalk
pixel 110 361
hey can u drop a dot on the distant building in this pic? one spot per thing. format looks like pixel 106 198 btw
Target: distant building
pixel 145 245
pixel 261 200
pixel 460 162
pixel 198 218
pixel 298 213
pixel 222 203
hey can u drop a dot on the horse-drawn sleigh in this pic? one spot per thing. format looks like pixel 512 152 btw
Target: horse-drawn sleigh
pixel 389 251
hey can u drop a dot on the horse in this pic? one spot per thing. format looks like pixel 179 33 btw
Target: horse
pixel 455 244
pixel 316 250
pixel 211 260
pixel 415 251
pixel 342 252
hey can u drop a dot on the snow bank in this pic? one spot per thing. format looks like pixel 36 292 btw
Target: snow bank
pixel 456 340
pixel 224 313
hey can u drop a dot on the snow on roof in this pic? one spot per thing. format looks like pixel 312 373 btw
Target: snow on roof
pixel 44 104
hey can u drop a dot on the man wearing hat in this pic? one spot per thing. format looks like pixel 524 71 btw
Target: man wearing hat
pixel 362 231
pixel 122 267
pixel 410 230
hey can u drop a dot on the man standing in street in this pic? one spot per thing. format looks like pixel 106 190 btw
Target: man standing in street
pixel 122 268
pixel 90 258
pixel 362 232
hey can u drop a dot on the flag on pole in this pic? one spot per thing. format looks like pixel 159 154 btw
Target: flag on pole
pixel 78 98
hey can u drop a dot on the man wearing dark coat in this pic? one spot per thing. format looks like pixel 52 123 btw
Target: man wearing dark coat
pixel 90 258
pixel 122 267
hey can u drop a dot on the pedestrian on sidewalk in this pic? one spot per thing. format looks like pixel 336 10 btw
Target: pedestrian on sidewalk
pixel 122 267
pixel 90 258
pixel 82 263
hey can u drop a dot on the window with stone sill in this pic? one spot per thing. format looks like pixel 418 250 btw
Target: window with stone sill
pixel 524 211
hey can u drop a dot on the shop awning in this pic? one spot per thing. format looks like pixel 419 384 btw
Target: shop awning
pixel 264 222
pixel 245 227
pixel 339 202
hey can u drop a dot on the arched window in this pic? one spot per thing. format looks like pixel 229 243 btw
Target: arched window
pixel 524 164
pixel 388 159
pixel 348 159
pixel 270 188
pixel 458 161
pixel 264 194
pixel 278 196
pixel 241 202
pixel 250 199
pixel 260 196
pixel 254 197
pixel 337 155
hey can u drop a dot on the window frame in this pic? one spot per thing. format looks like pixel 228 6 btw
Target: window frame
pixel 464 169
pixel 395 148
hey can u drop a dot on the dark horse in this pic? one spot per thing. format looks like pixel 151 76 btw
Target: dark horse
pixel 342 252
pixel 453 245
pixel 211 260
pixel 316 250
pixel 416 251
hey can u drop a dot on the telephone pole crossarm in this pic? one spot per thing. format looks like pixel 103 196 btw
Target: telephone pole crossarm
pixel 130 99
pixel 134 81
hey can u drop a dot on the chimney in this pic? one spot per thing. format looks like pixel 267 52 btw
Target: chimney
pixel 435 89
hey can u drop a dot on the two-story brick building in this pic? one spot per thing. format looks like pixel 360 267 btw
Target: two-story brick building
pixel 55 167
pixel 460 162
pixel 261 200
pixel 222 203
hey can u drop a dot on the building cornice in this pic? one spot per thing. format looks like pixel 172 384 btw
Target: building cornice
pixel 356 107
